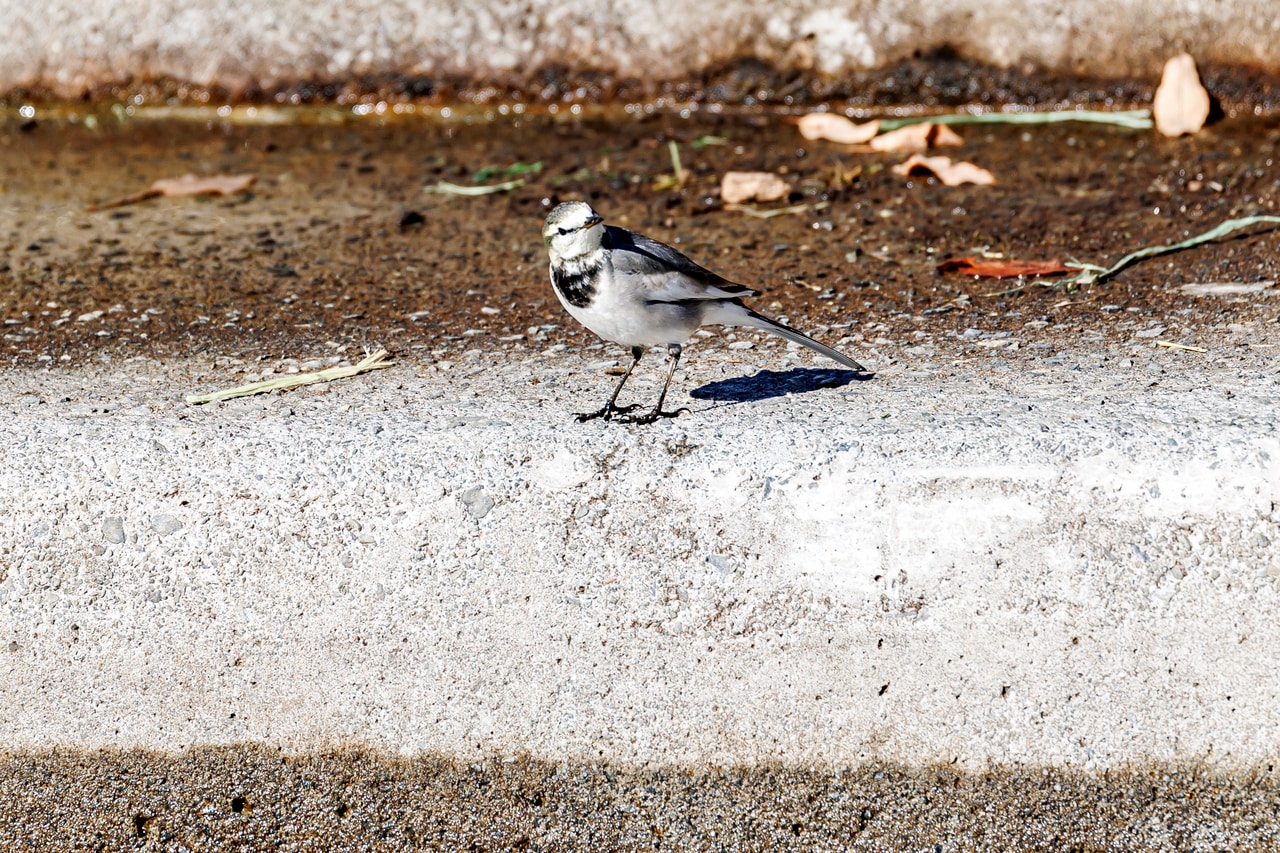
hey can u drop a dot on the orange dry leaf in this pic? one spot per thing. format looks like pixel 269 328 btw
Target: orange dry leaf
pixel 985 268
pixel 1181 104
pixel 184 186
pixel 951 174
pixel 834 128
pixel 917 137
pixel 737 187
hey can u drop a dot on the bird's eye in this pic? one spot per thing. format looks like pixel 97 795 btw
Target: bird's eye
pixel 565 230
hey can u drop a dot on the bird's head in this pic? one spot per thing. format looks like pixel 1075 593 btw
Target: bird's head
pixel 572 230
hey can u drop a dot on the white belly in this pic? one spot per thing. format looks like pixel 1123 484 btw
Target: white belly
pixel 625 319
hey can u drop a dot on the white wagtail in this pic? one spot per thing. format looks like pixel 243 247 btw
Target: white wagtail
pixel 635 291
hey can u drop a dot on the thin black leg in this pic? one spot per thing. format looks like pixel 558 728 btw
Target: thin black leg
pixel 673 353
pixel 610 409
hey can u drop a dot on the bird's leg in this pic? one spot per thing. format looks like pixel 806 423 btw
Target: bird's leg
pixel 673 354
pixel 610 409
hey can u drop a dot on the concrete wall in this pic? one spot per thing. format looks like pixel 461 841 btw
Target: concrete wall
pixel 70 45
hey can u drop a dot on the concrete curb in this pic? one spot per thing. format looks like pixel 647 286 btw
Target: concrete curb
pixel 1051 567
pixel 69 47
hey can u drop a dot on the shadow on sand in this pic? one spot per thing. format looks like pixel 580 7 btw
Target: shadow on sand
pixel 769 383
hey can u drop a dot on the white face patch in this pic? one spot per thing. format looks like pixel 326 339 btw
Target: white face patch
pixel 566 225
pixel 578 242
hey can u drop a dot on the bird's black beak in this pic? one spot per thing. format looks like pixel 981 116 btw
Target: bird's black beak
pixel 594 219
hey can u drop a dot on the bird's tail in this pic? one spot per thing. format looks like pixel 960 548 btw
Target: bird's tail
pixel 759 321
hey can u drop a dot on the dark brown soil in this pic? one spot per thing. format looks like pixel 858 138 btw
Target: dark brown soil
pixel 937 78
pixel 337 243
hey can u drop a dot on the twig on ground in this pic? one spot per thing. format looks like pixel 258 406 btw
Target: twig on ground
pixel 375 361
pixel 1132 119
pixel 1092 274
pixel 678 174
pixel 446 188
pixel 1172 345
pixel 1087 274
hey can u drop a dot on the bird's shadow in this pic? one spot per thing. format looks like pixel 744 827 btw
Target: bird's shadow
pixel 769 383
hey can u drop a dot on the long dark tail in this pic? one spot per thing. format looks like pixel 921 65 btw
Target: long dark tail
pixel 760 321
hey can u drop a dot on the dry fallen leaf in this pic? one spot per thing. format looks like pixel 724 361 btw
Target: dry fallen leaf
pixel 737 187
pixel 187 185
pixel 917 137
pixel 1181 104
pixel 192 185
pixel 945 136
pixel 991 268
pixel 951 174
pixel 835 128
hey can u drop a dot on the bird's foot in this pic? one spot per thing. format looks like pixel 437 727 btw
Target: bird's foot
pixel 609 412
pixel 652 415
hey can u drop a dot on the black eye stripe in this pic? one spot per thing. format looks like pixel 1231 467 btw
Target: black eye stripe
pixel 565 230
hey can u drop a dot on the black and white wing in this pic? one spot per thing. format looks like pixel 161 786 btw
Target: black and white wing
pixel 666 275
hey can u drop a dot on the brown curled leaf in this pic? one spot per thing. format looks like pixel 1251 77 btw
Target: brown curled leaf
pixel 996 268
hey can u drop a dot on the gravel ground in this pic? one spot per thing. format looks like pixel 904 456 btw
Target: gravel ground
pixel 252 798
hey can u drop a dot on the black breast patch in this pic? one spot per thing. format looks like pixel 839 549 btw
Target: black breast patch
pixel 576 284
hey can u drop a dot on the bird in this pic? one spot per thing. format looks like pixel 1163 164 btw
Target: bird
pixel 635 291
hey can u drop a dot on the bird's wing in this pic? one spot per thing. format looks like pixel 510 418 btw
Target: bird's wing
pixel 665 274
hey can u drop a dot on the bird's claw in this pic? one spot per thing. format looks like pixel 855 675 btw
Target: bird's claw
pixel 652 415
pixel 609 412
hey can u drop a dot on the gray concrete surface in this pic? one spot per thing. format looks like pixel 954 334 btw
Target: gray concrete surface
pixel 1071 565
pixel 70 46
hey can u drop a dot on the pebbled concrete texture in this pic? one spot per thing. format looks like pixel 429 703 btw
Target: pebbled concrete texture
pixel 72 47
pixel 1073 566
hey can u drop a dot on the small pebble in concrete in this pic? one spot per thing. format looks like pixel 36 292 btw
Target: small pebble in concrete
pixel 164 524
pixel 113 529
pixel 477 502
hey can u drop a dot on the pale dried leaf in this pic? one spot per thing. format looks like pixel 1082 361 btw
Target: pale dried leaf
pixel 943 136
pixel 835 128
pixel 192 185
pixel 913 137
pixel 1181 104
pixel 951 174
pixel 187 185
pixel 737 187
pixel 917 137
